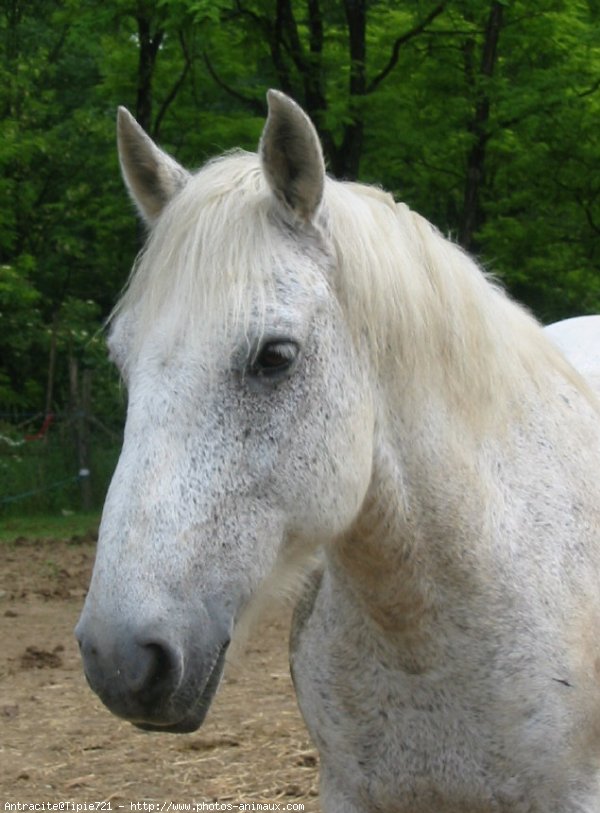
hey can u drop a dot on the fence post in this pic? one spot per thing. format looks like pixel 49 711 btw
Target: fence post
pixel 81 404
pixel 51 365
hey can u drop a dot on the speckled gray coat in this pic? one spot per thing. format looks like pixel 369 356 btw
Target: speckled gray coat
pixel 312 367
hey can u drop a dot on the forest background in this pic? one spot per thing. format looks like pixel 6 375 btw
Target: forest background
pixel 483 116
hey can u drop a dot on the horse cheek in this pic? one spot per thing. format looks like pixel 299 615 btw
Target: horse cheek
pixel 334 471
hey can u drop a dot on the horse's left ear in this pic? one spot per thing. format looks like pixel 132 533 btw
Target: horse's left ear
pixel 292 157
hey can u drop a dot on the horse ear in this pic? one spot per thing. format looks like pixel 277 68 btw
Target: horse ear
pixel 292 157
pixel 151 176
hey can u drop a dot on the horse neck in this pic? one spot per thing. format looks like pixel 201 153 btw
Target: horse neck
pixel 483 392
pixel 418 544
pixel 445 492
pixel 423 494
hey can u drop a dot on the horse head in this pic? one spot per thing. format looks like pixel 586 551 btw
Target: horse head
pixel 248 438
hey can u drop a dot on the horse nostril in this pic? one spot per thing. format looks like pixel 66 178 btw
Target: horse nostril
pixel 163 669
pixel 151 671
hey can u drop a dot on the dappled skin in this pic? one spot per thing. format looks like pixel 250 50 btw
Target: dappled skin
pixel 313 370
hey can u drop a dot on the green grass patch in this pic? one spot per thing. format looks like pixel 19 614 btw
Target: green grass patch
pixel 41 479
pixel 57 526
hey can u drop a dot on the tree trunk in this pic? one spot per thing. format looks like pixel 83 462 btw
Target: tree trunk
pixel 149 43
pixel 472 215
pixel 347 158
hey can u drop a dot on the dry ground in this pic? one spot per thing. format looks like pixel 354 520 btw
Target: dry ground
pixel 58 743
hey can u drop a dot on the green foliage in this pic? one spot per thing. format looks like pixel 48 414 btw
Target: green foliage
pixel 22 336
pixel 538 224
pixel 481 114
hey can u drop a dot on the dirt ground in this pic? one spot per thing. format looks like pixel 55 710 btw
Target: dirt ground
pixel 58 743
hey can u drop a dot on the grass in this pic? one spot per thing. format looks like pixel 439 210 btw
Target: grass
pixel 51 526
pixel 41 480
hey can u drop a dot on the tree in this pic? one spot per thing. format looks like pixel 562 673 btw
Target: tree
pixel 481 114
pixel 318 54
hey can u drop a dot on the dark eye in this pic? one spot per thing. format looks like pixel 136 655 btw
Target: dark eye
pixel 274 358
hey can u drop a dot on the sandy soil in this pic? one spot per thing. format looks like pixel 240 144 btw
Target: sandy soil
pixel 58 743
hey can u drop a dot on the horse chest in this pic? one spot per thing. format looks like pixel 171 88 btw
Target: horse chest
pixel 391 755
pixel 402 743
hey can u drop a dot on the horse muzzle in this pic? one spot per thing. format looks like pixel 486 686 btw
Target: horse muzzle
pixel 150 677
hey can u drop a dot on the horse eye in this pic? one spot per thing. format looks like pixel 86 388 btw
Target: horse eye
pixel 274 358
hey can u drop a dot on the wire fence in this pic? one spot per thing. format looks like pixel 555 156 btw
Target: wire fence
pixel 34 491
pixel 54 462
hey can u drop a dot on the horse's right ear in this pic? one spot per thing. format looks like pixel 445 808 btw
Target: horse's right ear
pixel 292 157
pixel 151 176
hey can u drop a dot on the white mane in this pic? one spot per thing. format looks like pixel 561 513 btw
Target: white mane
pixel 422 303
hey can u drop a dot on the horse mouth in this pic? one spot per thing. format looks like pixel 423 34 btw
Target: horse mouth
pixel 194 716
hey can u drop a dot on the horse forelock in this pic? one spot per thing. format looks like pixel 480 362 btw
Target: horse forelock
pixel 204 254
pixel 424 307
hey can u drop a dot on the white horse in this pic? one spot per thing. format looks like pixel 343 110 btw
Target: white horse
pixel 579 340
pixel 312 366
